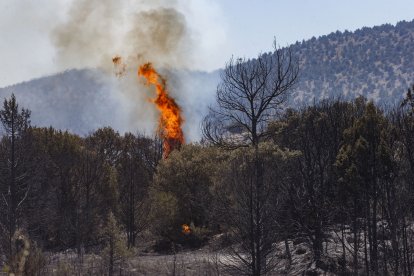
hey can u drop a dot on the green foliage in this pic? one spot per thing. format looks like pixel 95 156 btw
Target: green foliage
pixel 14 120
pixel 181 189
pixel 165 214
pixel 366 148
pixel 106 142
pixel 115 249
pixel 15 181
pixel 135 168
pixel 343 168
pixel 247 196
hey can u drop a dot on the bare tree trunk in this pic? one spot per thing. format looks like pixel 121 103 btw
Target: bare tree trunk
pixel 111 256
pixel 366 248
pixel 318 248
pixel 288 254
pixel 374 239
pixel 343 239
pixel 12 189
pixel 356 237
pixel 406 250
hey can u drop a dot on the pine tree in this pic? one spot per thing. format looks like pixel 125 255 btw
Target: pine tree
pixel 15 187
pixel 115 251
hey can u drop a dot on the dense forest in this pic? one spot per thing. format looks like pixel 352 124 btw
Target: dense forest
pixel 331 181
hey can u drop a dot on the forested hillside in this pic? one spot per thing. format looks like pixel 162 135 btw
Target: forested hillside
pixel 84 100
pixel 377 63
pixel 74 100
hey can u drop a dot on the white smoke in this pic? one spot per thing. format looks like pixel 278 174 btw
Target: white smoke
pixel 170 34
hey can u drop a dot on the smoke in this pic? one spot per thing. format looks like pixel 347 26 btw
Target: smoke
pixel 97 30
pixel 138 31
pixel 87 37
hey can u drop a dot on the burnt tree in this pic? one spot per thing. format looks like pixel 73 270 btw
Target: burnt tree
pixel 250 94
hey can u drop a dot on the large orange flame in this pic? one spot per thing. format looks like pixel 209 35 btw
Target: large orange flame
pixel 170 119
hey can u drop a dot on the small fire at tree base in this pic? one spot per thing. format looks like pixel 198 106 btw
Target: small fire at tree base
pixel 185 229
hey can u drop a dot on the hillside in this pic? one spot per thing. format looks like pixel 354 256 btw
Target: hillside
pixel 377 63
pixel 84 100
pixel 74 100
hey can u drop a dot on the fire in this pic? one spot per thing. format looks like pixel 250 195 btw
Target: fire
pixel 186 229
pixel 171 119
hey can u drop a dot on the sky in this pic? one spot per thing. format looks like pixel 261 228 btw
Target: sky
pixel 221 28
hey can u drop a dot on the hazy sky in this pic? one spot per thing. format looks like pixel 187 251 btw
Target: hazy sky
pixel 222 28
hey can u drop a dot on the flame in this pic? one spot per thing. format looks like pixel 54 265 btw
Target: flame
pixel 186 229
pixel 170 119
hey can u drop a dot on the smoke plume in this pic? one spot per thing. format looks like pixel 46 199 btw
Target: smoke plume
pixel 95 31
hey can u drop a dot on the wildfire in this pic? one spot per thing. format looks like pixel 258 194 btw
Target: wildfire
pixel 186 229
pixel 170 119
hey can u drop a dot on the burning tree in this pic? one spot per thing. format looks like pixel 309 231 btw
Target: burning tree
pixel 170 119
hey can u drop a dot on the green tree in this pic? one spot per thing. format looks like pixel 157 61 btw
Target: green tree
pixel 106 142
pixel 15 187
pixel 366 163
pixel 134 176
pixel 94 193
pixel 115 251
pixel 183 182
pixel 316 132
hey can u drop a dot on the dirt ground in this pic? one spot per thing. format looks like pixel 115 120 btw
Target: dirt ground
pixel 205 261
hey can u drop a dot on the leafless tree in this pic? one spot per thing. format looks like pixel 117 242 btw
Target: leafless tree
pixel 250 94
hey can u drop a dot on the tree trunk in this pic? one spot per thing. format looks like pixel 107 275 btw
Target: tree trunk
pixel 356 237
pixel 374 239
pixel 12 189
pixel 111 256
pixel 367 270
pixel 288 254
pixel 343 248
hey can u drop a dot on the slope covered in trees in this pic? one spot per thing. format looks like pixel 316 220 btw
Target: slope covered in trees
pixel 377 63
pixel 78 99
